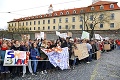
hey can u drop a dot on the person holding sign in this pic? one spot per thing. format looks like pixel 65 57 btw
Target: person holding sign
pixel 35 55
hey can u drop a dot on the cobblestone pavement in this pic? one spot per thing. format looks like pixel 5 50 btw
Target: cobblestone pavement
pixel 106 68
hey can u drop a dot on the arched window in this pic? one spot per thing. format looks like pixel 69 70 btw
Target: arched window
pixel 74 11
pixel 67 12
pixel 101 7
pixel 111 6
pixel 61 13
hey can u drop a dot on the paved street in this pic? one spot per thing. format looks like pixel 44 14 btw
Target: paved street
pixel 107 68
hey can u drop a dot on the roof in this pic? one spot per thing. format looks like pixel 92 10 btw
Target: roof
pixel 71 11
pixel 103 3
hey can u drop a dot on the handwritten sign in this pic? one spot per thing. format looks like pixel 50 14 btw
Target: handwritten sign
pixel 16 58
pixel 81 51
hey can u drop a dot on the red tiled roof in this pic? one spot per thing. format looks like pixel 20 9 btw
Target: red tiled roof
pixel 102 3
pixel 72 11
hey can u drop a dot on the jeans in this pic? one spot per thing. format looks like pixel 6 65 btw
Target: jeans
pixel 29 67
pixel 90 56
pixel 34 66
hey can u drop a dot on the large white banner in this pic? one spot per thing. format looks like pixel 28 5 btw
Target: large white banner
pixel 16 58
pixel 58 57
pixel 85 35
pixel 97 36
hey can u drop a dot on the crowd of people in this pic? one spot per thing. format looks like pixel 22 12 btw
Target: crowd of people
pixel 38 59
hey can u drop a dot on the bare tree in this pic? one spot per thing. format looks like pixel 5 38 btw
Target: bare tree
pixel 91 19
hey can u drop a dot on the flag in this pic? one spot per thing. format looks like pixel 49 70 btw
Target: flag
pixel 58 57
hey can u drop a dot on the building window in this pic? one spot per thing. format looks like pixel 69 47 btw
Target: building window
pixel 53 20
pixel 53 27
pixel 66 26
pixel 73 26
pixel 66 20
pixel 81 11
pixel 30 28
pixel 23 23
pixel 43 21
pixel 111 6
pixel 15 24
pixel 101 7
pixel 9 25
pixel 34 28
pixel 43 28
pixel 73 19
pixel 26 23
pixel 101 25
pixel 101 16
pixel 111 25
pixel 60 27
pixel 48 21
pixel 91 17
pixel 92 8
pixel 67 12
pixel 38 28
pixel 61 13
pixel 60 20
pixel 38 22
pixel 74 12
pixel 34 22
pixel 81 26
pixel 91 26
pixel 48 27
pixel 30 23
pixel 55 14
pixel 81 18
pixel 112 16
pixel 19 24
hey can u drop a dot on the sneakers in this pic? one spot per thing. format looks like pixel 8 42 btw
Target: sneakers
pixel 35 74
pixel 42 72
pixel 45 71
pixel 87 62
pixel 32 74
pixel 23 75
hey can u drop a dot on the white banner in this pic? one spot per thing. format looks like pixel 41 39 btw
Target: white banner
pixel 58 57
pixel 85 35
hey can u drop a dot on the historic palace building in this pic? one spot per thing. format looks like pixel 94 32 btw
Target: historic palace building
pixel 102 15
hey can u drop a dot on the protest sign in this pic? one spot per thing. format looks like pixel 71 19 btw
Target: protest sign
pixel 63 35
pixel 107 47
pixel 16 58
pixel 58 57
pixel 97 36
pixel 25 37
pixel 57 33
pixel 85 35
pixel 81 51
pixel 69 34
pixel 98 55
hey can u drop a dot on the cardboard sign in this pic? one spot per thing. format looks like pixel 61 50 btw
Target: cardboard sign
pixel 25 37
pixel 98 55
pixel 85 35
pixel 81 51
pixel 107 47
pixel 16 58
pixel 69 34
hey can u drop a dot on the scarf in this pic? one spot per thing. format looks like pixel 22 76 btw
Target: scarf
pixel 4 48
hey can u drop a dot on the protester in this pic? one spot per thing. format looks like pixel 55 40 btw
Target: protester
pixel 35 55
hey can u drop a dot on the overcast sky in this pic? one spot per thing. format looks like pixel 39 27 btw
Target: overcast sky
pixel 21 8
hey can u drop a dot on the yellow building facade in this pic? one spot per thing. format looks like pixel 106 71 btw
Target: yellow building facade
pixel 103 14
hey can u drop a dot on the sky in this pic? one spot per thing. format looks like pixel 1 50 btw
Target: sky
pixel 24 8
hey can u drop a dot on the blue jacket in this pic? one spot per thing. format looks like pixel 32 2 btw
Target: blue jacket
pixel 33 53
